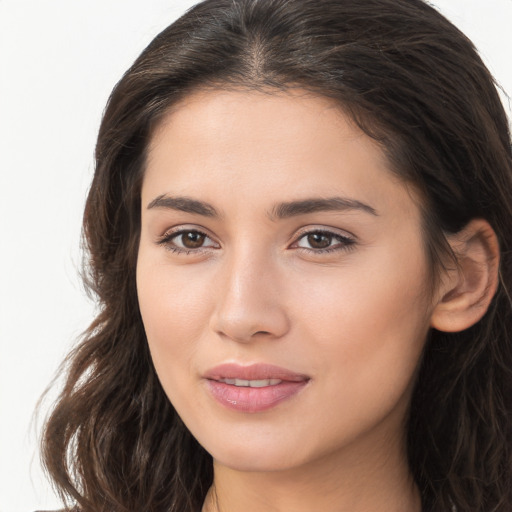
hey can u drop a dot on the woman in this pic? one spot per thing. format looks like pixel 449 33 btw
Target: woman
pixel 299 232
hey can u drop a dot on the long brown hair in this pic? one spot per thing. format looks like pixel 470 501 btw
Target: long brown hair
pixel 414 83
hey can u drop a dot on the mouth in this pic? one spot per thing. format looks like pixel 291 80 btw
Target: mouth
pixel 242 383
pixel 254 388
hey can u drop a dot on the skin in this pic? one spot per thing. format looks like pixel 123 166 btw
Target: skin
pixel 354 319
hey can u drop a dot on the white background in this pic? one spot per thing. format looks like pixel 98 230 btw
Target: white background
pixel 59 59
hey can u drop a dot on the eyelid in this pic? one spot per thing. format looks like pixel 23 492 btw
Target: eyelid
pixel 178 228
pixel 306 230
pixel 345 238
pixel 170 233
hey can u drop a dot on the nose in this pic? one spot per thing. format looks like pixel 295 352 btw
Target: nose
pixel 250 302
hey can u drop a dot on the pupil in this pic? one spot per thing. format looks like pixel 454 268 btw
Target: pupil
pixel 193 239
pixel 319 240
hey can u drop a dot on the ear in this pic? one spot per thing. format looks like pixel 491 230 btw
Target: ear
pixel 466 291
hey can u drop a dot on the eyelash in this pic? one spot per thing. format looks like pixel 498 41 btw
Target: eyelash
pixel 344 243
pixel 167 241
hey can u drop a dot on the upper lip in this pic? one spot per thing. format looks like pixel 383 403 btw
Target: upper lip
pixel 257 371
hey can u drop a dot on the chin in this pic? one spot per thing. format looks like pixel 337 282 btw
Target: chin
pixel 261 456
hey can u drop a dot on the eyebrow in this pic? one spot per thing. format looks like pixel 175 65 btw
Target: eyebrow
pixel 332 204
pixel 279 211
pixel 184 204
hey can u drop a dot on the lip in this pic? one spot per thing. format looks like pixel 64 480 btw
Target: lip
pixel 253 399
pixel 257 371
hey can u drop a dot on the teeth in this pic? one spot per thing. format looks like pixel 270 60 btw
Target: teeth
pixel 251 383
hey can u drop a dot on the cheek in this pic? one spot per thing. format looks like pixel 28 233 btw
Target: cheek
pixel 371 322
pixel 175 309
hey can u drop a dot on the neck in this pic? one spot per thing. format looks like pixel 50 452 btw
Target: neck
pixel 338 482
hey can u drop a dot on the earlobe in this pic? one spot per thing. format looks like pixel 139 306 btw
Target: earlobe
pixel 467 290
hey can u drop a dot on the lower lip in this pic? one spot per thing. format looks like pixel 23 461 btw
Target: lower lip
pixel 247 399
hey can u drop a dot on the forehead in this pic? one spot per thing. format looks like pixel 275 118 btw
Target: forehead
pixel 264 146
pixel 217 118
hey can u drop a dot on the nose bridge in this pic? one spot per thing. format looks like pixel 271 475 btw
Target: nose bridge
pixel 249 295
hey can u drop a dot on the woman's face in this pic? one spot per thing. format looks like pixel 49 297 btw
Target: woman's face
pixel 282 280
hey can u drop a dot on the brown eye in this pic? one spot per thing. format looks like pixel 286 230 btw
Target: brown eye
pixel 324 241
pixel 192 239
pixel 187 241
pixel 319 240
